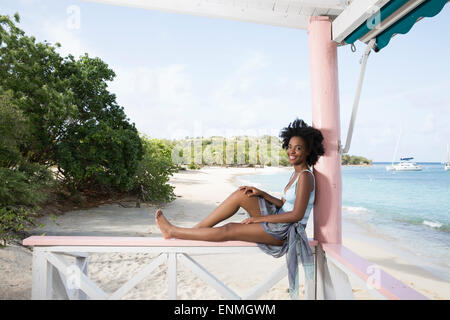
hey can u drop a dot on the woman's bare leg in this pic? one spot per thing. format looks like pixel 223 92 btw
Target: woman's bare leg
pixel 229 207
pixel 232 231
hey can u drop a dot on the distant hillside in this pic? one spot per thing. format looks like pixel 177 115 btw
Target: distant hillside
pixel 237 151
pixel 355 160
pixel 229 151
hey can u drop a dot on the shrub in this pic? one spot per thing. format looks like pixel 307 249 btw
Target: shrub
pixel 13 130
pixel 21 182
pixel 154 171
pixel 193 166
pixel 13 222
pixel 97 155
pixel 25 185
pixel 284 162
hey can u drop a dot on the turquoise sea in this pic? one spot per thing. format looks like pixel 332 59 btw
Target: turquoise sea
pixel 409 211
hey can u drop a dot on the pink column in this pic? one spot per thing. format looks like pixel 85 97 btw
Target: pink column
pixel 325 117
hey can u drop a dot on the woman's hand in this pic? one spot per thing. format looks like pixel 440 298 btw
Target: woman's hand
pixel 251 191
pixel 252 220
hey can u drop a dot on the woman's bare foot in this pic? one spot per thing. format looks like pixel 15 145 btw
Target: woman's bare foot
pixel 163 224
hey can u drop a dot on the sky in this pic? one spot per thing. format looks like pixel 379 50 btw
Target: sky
pixel 181 75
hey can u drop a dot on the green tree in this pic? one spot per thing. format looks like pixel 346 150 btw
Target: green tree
pixel 354 160
pixel 100 146
pixel 34 73
pixel 57 110
pixel 72 119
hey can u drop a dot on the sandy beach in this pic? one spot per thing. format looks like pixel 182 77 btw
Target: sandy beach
pixel 198 193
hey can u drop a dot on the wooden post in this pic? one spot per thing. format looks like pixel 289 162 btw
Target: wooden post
pixel 325 117
pixel 331 283
pixel 42 288
pixel 172 275
pixel 82 263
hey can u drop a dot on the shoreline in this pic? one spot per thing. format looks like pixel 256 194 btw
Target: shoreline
pixel 435 270
pixel 352 235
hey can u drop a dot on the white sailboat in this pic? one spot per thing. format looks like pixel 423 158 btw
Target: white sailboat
pixel 405 164
pixel 391 167
pixel 447 163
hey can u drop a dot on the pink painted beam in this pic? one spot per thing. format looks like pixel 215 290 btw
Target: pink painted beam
pixel 325 117
pixel 386 284
pixel 131 242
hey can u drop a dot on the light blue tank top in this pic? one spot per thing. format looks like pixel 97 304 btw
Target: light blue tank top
pixel 290 196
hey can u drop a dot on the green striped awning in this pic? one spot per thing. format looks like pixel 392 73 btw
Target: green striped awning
pixel 428 8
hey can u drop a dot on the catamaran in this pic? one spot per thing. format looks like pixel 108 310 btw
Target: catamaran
pixel 405 164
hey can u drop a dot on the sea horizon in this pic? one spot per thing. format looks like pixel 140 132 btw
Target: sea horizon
pixel 421 162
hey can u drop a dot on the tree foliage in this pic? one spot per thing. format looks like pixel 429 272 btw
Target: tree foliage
pixel 355 160
pixel 21 182
pixel 57 112
pixel 33 73
pixel 99 147
pixel 72 120
pixel 238 150
pixel 154 171
pixel 13 221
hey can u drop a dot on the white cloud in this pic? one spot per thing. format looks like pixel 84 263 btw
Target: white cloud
pixel 70 40
pixel 255 63
pixel 162 87
pixel 159 100
pixel 241 81
pixel 249 98
pixel 29 2
pixel 424 97
pixel 168 102
pixel 428 124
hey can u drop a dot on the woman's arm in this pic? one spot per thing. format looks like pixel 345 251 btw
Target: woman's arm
pixel 253 192
pixel 304 189
pixel 277 202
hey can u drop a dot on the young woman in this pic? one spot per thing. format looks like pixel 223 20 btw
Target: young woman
pixel 277 225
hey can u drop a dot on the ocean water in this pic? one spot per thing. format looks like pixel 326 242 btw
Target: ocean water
pixel 410 211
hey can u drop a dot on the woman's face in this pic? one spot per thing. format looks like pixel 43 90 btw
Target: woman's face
pixel 296 151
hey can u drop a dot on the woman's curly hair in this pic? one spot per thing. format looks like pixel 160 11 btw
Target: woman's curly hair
pixel 312 136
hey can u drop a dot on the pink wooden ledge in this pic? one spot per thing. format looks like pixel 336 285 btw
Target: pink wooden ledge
pixel 390 287
pixel 131 242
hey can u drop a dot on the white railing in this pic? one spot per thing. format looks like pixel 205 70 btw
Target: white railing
pixel 54 274
pixel 334 264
